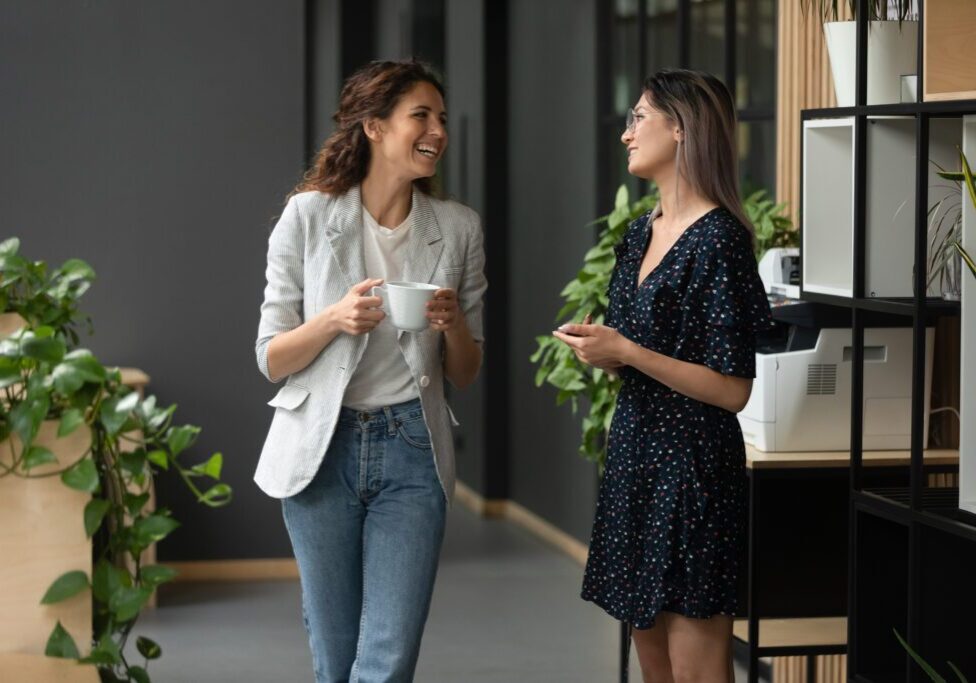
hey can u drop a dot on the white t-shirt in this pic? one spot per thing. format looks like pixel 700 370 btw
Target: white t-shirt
pixel 382 377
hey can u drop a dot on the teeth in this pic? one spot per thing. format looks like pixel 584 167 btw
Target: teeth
pixel 427 151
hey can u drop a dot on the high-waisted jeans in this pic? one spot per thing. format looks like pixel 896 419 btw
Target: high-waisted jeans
pixel 367 534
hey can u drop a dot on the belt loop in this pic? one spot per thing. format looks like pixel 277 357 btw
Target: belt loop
pixel 391 427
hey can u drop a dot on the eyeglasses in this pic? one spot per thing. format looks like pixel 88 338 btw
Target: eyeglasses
pixel 634 117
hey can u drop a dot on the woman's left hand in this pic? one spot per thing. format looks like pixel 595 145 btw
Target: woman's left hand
pixel 443 311
pixel 596 345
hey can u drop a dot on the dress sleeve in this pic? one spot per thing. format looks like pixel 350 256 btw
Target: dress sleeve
pixel 732 301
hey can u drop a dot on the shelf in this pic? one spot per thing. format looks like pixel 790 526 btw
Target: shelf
pixel 933 109
pixel 828 221
pixel 935 307
pixel 756 459
pixel 940 509
pixel 781 634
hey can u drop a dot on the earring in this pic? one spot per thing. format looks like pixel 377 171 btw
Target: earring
pixel 677 180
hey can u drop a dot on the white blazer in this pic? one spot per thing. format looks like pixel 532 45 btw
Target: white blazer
pixel 315 255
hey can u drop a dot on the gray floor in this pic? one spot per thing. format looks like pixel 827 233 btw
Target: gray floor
pixel 505 610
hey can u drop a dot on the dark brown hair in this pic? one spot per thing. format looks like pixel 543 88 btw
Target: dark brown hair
pixel 372 92
pixel 702 107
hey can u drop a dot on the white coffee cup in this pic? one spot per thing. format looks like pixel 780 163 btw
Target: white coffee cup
pixel 406 304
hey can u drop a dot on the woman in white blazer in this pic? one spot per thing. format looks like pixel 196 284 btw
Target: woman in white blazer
pixel 360 448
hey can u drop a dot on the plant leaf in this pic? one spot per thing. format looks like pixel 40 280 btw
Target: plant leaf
pixel 138 674
pixel 211 468
pixel 156 574
pixel 153 528
pixel 83 476
pixel 94 514
pixel 70 421
pixel 65 586
pixel 219 494
pixel 106 579
pixel 179 438
pixel 148 648
pixel 932 673
pixel 38 455
pixel 61 644
pixel 126 602
pixel 159 459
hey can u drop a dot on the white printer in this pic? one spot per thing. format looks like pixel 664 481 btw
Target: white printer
pixel 801 398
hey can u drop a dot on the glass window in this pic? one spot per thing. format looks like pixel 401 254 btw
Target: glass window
pixel 707 37
pixel 756 54
pixel 661 22
pixel 757 156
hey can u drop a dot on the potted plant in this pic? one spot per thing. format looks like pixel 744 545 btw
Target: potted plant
pixel 53 393
pixel 946 253
pixel 586 295
pixel 925 666
pixel 892 47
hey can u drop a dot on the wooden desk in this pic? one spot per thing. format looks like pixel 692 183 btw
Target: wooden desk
pixel 799 503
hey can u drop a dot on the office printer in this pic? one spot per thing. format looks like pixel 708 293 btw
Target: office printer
pixel 801 398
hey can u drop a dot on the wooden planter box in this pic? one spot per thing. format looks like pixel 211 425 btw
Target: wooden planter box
pixel 43 536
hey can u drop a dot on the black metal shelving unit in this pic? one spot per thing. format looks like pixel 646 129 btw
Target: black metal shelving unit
pixel 912 550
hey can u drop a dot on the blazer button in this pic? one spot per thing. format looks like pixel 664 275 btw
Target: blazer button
pixel 424 381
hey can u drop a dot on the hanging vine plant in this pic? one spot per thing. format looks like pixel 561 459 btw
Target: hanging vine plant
pixel 46 379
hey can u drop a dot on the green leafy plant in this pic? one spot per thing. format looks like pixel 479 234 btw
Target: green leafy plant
pixel 772 223
pixel 926 667
pixel 827 10
pixel 965 178
pixel 44 376
pixel 586 295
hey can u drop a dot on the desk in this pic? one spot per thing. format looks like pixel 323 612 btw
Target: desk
pixel 796 596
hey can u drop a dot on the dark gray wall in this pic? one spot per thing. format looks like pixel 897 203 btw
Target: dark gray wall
pixel 325 69
pixel 464 177
pixel 552 190
pixel 156 140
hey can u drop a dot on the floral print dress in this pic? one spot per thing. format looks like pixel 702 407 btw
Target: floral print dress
pixel 670 521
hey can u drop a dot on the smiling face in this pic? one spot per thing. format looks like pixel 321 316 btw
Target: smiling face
pixel 651 142
pixel 413 138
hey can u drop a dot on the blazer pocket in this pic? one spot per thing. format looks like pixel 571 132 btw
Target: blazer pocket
pixel 449 270
pixel 289 397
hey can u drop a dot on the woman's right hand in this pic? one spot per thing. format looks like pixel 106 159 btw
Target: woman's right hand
pixel 357 313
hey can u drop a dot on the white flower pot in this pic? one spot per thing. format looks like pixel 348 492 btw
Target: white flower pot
pixel 892 53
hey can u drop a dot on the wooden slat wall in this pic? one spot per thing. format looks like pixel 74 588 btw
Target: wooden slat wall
pixel 803 81
pixel 830 669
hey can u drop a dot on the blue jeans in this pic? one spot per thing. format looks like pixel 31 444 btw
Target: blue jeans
pixel 367 534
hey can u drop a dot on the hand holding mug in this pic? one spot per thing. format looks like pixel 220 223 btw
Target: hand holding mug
pixel 356 313
pixel 443 311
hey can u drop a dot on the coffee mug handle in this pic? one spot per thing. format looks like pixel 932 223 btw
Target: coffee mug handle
pixel 380 291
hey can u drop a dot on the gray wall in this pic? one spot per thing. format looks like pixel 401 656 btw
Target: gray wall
pixel 325 69
pixel 552 131
pixel 157 141
pixel 465 180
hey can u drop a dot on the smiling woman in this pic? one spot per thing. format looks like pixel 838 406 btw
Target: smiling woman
pixel 360 448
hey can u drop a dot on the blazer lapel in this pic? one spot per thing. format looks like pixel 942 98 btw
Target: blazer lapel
pixel 345 234
pixel 425 243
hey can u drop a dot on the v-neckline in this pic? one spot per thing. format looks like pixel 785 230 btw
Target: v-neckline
pixel 647 244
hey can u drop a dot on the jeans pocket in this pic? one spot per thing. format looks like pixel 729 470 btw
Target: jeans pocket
pixel 415 433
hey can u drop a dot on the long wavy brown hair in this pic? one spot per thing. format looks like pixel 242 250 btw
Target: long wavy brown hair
pixel 372 92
